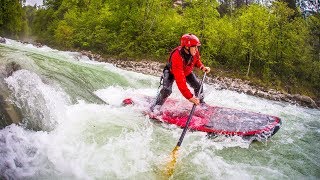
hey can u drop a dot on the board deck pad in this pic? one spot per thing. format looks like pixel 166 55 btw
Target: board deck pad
pixel 214 119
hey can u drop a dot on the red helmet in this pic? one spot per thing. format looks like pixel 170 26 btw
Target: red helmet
pixel 189 40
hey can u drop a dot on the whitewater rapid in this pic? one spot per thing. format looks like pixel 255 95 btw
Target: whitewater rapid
pixel 74 127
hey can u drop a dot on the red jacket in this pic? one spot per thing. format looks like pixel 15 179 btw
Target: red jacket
pixel 180 70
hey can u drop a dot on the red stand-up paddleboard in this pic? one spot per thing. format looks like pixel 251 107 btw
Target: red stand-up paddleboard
pixel 214 120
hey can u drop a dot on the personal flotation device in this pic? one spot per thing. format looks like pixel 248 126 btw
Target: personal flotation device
pixel 181 66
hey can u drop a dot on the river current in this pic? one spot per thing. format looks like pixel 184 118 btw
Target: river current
pixel 74 127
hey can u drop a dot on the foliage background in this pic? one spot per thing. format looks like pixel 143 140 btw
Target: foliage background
pixel 273 46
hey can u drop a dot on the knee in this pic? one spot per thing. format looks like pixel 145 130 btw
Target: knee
pixel 166 91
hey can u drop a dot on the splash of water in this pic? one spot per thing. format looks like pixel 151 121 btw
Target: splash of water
pixel 83 139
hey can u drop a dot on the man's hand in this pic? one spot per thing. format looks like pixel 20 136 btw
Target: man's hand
pixel 194 100
pixel 206 69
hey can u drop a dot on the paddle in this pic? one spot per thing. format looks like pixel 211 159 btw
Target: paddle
pixel 171 164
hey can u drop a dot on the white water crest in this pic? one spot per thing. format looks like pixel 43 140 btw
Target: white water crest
pixel 66 134
pixel 42 105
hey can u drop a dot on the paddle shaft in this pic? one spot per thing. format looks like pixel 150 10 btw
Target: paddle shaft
pixel 186 127
pixel 190 116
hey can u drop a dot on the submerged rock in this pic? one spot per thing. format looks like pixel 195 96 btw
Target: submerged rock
pixel 12 67
pixel 9 113
pixel 2 40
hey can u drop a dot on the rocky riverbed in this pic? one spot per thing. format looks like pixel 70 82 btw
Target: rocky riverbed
pixel 241 86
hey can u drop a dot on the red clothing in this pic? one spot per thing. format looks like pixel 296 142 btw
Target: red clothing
pixel 180 70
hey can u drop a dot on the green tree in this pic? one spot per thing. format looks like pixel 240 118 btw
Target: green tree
pixel 252 25
pixel 12 18
pixel 266 43
pixel 289 47
pixel 44 25
pixel 314 38
pixel 30 15
pixel 313 24
pixel 223 43
pixel 63 34
pixel 199 18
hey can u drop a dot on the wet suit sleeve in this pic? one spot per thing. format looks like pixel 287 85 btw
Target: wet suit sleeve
pixel 179 76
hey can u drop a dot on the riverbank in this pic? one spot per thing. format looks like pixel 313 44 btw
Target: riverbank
pixel 233 84
pixel 241 86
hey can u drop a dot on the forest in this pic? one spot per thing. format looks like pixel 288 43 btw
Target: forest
pixel 274 45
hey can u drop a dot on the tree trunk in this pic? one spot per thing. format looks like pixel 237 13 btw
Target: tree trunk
pixel 249 65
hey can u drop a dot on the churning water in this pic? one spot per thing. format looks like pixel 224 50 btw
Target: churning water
pixel 74 127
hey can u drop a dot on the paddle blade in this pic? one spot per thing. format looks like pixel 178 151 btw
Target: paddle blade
pixel 172 163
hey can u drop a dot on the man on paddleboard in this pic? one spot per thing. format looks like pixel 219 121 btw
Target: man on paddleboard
pixel 179 67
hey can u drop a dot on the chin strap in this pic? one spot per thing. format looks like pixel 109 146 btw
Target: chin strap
pixel 184 48
pixel 185 56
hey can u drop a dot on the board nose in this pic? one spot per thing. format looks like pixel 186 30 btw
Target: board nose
pixel 127 101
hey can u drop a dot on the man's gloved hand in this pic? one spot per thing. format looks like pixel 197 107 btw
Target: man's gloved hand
pixel 206 69
pixel 194 100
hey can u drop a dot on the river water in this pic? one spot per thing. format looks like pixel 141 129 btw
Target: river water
pixel 74 127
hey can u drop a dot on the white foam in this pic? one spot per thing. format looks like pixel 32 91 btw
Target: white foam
pixel 92 141
pixel 42 104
